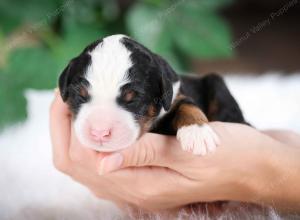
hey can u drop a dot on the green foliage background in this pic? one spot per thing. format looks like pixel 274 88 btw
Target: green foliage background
pixel 39 37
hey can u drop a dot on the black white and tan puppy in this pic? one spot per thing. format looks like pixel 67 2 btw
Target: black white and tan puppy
pixel 117 90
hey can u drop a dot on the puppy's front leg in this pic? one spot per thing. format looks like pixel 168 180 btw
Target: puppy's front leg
pixel 193 132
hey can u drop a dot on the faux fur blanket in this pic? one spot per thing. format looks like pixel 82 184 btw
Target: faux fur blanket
pixel 30 188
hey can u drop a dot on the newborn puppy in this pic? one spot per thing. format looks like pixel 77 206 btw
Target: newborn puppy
pixel 117 90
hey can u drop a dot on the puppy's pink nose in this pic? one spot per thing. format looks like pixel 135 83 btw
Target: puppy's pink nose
pixel 102 135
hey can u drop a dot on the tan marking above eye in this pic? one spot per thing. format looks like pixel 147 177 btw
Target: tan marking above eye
pixel 83 92
pixel 152 110
pixel 129 95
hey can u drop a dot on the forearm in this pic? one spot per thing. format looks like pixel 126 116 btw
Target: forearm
pixel 276 177
pixel 284 191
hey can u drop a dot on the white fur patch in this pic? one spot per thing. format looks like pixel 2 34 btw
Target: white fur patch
pixel 176 87
pixel 108 69
pixel 199 139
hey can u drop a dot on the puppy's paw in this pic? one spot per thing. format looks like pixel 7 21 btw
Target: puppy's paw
pixel 199 139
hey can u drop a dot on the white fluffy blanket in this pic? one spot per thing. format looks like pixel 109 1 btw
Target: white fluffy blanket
pixel 30 188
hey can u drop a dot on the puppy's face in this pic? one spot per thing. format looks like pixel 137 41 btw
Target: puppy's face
pixel 116 89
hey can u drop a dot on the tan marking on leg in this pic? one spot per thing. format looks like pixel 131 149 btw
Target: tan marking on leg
pixel 188 114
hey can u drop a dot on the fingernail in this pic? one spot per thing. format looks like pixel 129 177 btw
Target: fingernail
pixel 110 163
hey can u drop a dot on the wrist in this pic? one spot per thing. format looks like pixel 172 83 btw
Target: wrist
pixel 274 177
pixel 282 191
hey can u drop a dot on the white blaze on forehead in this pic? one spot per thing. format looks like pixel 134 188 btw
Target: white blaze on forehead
pixel 110 61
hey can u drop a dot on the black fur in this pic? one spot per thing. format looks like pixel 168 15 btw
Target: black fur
pixel 204 90
pixel 72 79
pixel 151 78
pixel 201 91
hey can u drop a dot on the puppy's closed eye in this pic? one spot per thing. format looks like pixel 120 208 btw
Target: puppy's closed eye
pixel 83 92
pixel 80 93
pixel 129 95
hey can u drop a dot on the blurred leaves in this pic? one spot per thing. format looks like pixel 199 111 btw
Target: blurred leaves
pixel 16 12
pixel 73 40
pixel 12 101
pixel 39 37
pixel 194 27
pixel 203 36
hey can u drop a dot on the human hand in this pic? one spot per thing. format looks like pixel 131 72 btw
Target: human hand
pixel 243 157
pixel 249 166
pixel 161 175
pixel 132 186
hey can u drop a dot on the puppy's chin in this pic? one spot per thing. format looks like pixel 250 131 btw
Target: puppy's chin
pixel 101 148
pixel 107 147
pixel 120 141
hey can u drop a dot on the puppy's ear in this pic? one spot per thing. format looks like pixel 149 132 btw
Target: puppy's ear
pixel 167 93
pixel 76 67
pixel 64 81
pixel 168 77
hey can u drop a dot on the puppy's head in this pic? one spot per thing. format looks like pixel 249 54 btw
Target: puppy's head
pixel 116 89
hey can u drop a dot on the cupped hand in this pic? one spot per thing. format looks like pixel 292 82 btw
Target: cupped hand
pixel 151 188
pixel 154 173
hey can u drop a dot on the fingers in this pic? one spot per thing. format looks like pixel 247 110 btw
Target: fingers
pixel 150 187
pixel 149 150
pixel 60 120
pixel 144 152
pixel 165 151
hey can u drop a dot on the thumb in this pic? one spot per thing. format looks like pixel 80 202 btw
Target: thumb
pixel 149 150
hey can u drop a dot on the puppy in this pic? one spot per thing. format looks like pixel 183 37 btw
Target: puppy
pixel 117 90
